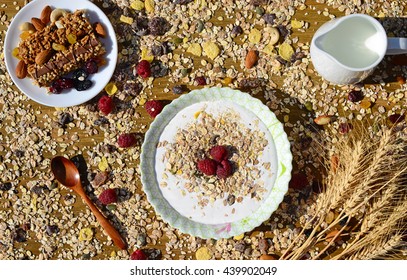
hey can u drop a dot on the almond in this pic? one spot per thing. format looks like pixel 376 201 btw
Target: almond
pixel 267 257
pixel 43 57
pixel 38 24
pixel 21 70
pixel 46 15
pixel 100 30
pixel 251 59
pixel 322 120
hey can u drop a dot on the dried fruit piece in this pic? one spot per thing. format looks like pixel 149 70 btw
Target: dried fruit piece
pixel 286 51
pixel 103 164
pixel 203 253
pixel 355 96
pixel 396 118
pixel 91 66
pixel 269 48
pixel 100 178
pixel 43 57
pixel 37 23
pixel 58 47
pixel 126 140
pixel 145 55
pixel 153 107
pixel 128 20
pixel 71 38
pixel 365 104
pixel 24 35
pixel 108 196
pixel 251 59
pixel 15 53
pixel 83 85
pixel 85 234
pixel 111 88
pixel 211 49
pixel 401 80
pixel 46 14
pixel 21 70
pixel 195 49
pixel 207 166
pixel 143 69
pixel 138 255
pixel 201 81
pixel 267 257
pixel 100 30
pixel 322 120
pixel 254 36
pixel 105 104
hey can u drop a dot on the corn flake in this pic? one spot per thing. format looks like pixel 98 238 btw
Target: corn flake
pixel 103 164
pixel 150 5
pixel 111 88
pixel 297 24
pixel 211 49
pixel 145 55
pixel 268 49
pixel 195 49
pixel 254 36
pixel 239 237
pixel 128 20
pixel 286 51
pixel 85 234
pixel 137 5
pixel 203 253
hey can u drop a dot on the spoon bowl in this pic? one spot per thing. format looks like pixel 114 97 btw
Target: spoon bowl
pixel 68 175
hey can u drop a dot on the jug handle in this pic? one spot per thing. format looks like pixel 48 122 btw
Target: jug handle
pixel 396 46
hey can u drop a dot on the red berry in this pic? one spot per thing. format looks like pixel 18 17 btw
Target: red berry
pixel 153 107
pixel 219 153
pixel 106 104
pixel 138 255
pixel 126 140
pixel 201 81
pixel 207 166
pixel 224 170
pixel 108 196
pixel 143 69
pixel 298 181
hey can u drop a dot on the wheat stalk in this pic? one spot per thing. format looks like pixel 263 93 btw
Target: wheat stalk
pixel 368 181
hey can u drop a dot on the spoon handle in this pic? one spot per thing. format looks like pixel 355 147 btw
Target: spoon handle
pixel 110 230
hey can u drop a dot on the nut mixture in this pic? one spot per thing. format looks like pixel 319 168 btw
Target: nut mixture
pixel 191 144
pixel 39 219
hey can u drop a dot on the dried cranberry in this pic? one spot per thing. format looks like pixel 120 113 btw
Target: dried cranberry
pixel 91 66
pixel 355 96
pixel 201 81
pixel 65 83
pixel 54 89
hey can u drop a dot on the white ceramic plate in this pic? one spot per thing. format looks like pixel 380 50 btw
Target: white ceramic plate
pixel 67 97
pixel 215 220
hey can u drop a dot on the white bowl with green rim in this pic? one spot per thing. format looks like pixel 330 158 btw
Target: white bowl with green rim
pixel 215 221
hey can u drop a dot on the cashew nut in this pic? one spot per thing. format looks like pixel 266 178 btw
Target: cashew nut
pixel 274 35
pixel 27 26
pixel 56 14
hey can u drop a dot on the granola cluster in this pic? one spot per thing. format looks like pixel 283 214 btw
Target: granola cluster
pixel 66 55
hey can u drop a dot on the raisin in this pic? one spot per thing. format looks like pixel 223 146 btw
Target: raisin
pixel 178 89
pixel 20 235
pixel 64 119
pixel 158 26
pixel 355 96
pixel 5 186
pixel 269 18
pixel 237 30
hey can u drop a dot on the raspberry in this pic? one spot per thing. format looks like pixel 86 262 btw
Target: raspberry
pixel 207 166
pixel 138 255
pixel 224 170
pixel 153 107
pixel 143 69
pixel 201 81
pixel 219 153
pixel 105 104
pixel 108 196
pixel 126 140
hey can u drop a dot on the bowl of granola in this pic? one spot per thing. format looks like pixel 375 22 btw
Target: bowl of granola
pixel 215 163
pixel 60 53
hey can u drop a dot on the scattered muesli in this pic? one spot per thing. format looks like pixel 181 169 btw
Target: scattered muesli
pixel 51 219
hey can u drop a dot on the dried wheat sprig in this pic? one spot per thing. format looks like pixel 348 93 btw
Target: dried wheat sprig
pixel 369 168
pixel 379 249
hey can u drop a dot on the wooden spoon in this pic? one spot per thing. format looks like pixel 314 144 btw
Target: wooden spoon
pixel 67 174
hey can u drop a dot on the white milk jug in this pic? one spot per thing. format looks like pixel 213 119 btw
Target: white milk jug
pixel 347 50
